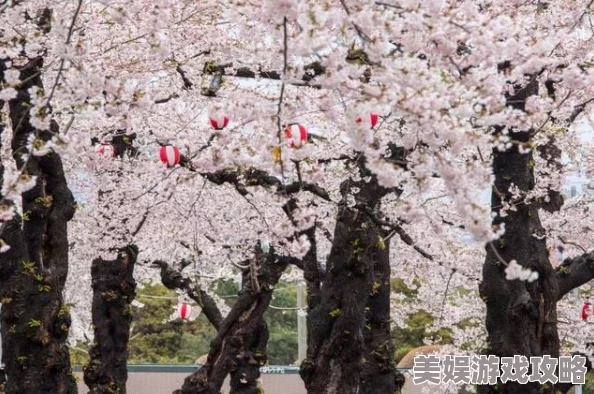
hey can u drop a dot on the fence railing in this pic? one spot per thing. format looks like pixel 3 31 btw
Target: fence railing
pixel 189 368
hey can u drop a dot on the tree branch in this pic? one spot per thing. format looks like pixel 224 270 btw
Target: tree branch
pixel 187 83
pixel 396 227
pixel 174 280
pixel 312 70
pixel 578 110
pixel 574 272
pixel 255 177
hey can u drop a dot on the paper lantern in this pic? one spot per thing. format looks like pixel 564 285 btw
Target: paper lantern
pixel 296 134
pixel 106 150
pixel 587 310
pixel 170 155
pixel 219 122
pixel 369 120
pixel 184 311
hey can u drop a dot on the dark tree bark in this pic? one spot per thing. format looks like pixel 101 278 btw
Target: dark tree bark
pixel 237 348
pixel 35 321
pixel 342 335
pixel 379 374
pixel 521 316
pixel 312 274
pixel 244 378
pixel 575 272
pixel 113 292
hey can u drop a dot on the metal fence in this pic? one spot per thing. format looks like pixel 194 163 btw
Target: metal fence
pixel 164 379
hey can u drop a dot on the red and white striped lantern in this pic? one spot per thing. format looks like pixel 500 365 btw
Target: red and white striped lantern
pixel 587 310
pixel 296 135
pixel 219 122
pixel 170 155
pixel 370 120
pixel 184 311
pixel 106 150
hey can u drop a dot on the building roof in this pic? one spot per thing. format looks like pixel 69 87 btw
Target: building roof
pixel 409 360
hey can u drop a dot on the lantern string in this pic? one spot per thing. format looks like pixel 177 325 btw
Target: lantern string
pixel 229 296
pixel 221 296
pixel 285 308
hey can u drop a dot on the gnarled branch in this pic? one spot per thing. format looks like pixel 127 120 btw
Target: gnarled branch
pixel 174 280
pixel 574 272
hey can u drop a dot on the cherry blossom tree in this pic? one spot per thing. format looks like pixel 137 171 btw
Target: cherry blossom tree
pixel 35 321
pixel 480 95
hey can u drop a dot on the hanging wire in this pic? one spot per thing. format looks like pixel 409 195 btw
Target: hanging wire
pixel 226 296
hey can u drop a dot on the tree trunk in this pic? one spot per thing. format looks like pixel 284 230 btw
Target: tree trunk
pixel 521 315
pixel 379 374
pixel 113 292
pixel 334 359
pixel 337 345
pixel 35 322
pixel 245 378
pixel 241 336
